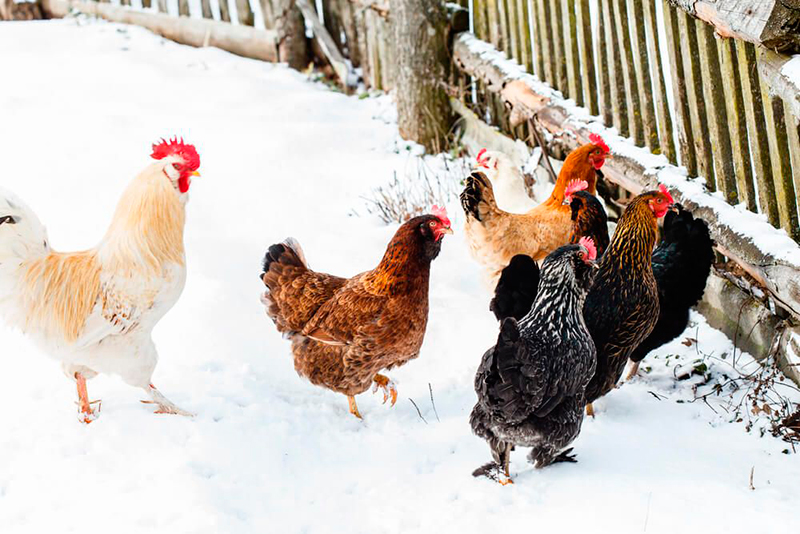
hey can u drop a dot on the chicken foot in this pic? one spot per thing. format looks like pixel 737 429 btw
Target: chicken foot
pixel 492 470
pixel 85 412
pixel 590 410
pixel 164 404
pixel 633 372
pixel 387 385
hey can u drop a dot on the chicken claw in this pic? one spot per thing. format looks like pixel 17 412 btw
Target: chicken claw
pixel 85 413
pixel 388 386
pixel 496 472
pixel 590 410
pixel 165 406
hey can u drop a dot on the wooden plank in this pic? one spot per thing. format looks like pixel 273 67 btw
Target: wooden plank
pixel 351 48
pixel 224 11
pixel 793 134
pixel 717 117
pixel 603 82
pixel 512 23
pixel 538 50
pixel 243 12
pixel 633 107
pixel 690 53
pixel 371 24
pixel 146 4
pixel 679 89
pixel 559 48
pixel 162 6
pixel 326 43
pixel 493 18
pixel 771 23
pixel 543 7
pixel 502 17
pixel 757 128
pixel 205 5
pixel 781 162
pixel 644 85
pixel 480 24
pixel 524 29
pixel 661 102
pixel 572 51
pixel 618 99
pixel 737 123
pixel 770 66
pixel 183 8
pixel 586 71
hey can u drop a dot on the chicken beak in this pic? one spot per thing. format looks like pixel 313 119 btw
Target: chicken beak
pixel 447 230
pixel 195 173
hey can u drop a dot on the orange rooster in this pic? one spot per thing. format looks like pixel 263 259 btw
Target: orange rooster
pixel 95 310
pixel 495 236
pixel 345 331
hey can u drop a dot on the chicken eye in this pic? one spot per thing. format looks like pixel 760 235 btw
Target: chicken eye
pixel 432 224
pixel 176 166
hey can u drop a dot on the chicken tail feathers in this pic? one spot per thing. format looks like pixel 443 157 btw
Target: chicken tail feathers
pixel 477 199
pixel 517 288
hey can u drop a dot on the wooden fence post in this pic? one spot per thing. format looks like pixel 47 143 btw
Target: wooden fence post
pixel 419 35
pixel 243 12
pixel 224 11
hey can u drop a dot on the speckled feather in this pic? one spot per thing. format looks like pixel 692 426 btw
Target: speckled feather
pixel 530 385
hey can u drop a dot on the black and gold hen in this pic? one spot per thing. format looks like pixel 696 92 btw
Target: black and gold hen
pixel 530 385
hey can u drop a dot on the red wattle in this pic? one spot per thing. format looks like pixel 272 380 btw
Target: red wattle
pixel 183 183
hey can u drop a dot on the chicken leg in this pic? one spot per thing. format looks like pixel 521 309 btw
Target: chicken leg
pixel 590 410
pixel 351 401
pixel 633 372
pixel 86 414
pixel 164 404
pixel 387 385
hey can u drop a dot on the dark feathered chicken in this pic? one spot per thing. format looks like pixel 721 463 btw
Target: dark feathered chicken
pixel 588 220
pixel 622 306
pixel 344 331
pixel 681 265
pixel 530 385
pixel 516 290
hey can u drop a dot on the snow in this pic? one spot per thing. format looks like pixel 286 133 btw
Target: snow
pixel 268 452
pixel 791 69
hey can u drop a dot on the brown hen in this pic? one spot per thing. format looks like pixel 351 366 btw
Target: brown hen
pixel 345 331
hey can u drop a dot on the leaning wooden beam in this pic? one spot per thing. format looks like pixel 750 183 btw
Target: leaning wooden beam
pixel 240 40
pixel 771 23
pixel 326 43
pixel 739 234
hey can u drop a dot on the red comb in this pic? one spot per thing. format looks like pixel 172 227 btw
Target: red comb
pixel 481 159
pixel 597 140
pixel 574 186
pixel 441 213
pixel 588 244
pixel 177 147
pixel 663 189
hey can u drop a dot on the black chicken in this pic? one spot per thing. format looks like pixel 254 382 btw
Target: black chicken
pixel 588 220
pixel 516 289
pixel 530 385
pixel 681 265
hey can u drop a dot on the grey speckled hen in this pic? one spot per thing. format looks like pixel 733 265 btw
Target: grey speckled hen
pixel 531 384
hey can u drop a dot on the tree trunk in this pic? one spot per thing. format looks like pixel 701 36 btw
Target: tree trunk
pixel 291 30
pixel 419 31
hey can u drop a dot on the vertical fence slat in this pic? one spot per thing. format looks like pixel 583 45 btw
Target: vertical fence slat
pixel 243 12
pixel 524 35
pixel 583 39
pixel 205 6
pixel 513 30
pixel 620 10
pixel 662 108
pixel 494 23
pixel 162 6
pixel 694 93
pixel 737 123
pixel 370 20
pixel 717 117
pixel 603 84
pixel 479 19
pixel 543 8
pixel 502 19
pixel 363 45
pixel 183 7
pixel 571 51
pixel 618 100
pixel 224 10
pixel 644 85
pixel 351 33
pixel 146 4
pixel 679 89
pixel 793 133
pixel 538 41
pixel 781 162
pixel 757 128
pixel 559 50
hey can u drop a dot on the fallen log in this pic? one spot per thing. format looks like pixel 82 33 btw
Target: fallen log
pixel 244 41
pixel 774 24
pixel 740 235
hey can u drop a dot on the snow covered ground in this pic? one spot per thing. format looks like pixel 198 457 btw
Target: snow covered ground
pixel 269 453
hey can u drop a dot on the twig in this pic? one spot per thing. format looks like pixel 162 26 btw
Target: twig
pixel 540 142
pixel 430 388
pixel 752 471
pixel 418 412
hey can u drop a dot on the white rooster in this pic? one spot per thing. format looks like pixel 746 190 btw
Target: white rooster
pixel 95 310
pixel 508 182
